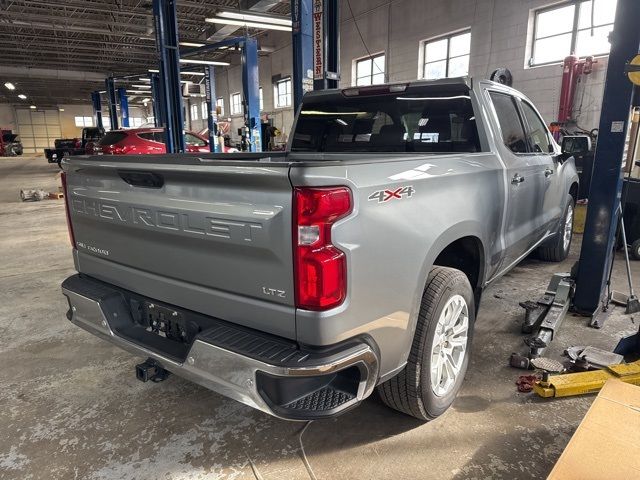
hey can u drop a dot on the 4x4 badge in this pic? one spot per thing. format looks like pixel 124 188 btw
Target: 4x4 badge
pixel 399 193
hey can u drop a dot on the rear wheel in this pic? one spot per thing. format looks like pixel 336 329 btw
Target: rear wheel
pixel 439 355
pixel 560 244
pixel 635 250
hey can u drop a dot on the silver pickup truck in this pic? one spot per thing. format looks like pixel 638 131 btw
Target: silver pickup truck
pixel 298 282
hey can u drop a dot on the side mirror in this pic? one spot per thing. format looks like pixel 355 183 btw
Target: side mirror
pixel 576 145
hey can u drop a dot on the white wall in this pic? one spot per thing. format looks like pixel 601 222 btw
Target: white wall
pixel 500 30
pixel 7 120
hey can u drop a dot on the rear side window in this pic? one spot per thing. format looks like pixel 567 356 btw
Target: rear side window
pixel 148 136
pixel 435 120
pixel 510 122
pixel 112 138
pixel 538 133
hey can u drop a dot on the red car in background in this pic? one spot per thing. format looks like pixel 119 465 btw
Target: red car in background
pixel 145 141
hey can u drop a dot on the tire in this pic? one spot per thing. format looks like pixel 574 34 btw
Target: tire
pixel 559 245
pixel 635 250
pixel 413 390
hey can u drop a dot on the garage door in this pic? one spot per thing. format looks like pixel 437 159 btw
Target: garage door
pixel 38 128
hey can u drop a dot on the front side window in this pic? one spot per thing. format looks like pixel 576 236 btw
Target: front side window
pixel 447 56
pixel 538 134
pixel 236 104
pixel 282 92
pixel 425 120
pixel 572 29
pixel 370 70
pixel 510 122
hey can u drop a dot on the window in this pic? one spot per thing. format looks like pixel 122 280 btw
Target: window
pixel 571 28
pixel 537 131
pixel 282 93
pixel 261 99
pixel 194 111
pixel 203 109
pixel 136 121
pixel 84 121
pixel 370 70
pixel 447 56
pixel 193 140
pixel 106 122
pixel 510 123
pixel 429 120
pixel 220 105
pixel 236 104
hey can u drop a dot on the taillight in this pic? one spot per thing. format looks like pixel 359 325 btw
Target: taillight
pixel 63 178
pixel 320 267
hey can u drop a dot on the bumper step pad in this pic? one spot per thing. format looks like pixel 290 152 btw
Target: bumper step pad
pixel 321 400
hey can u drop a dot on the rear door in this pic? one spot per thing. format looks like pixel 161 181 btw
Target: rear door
pixel 525 179
pixel 212 236
pixel 543 147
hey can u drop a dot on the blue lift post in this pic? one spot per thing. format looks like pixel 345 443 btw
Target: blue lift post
pixel 212 115
pixel 113 108
pixel 124 106
pixel 251 91
pixel 167 42
pixel 597 251
pixel 158 109
pixel 301 33
pixel 97 108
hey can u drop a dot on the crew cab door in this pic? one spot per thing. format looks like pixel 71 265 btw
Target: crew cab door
pixel 525 180
pixel 544 149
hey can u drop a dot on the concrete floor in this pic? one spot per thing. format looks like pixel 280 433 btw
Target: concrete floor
pixel 71 407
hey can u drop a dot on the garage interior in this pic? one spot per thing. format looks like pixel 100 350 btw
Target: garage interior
pixel 72 405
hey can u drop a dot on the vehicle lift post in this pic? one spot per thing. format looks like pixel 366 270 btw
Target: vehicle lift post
pixel 250 83
pixel 97 108
pixel 167 44
pixel 113 106
pixel 212 114
pixel 158 109
pixel 124 106
pixel 302 42
pixel 598 242
pixel 326 44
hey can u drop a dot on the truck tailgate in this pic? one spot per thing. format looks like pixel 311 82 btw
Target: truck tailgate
pixel 211 236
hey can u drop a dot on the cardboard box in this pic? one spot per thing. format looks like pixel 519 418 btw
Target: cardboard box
pixel 606 445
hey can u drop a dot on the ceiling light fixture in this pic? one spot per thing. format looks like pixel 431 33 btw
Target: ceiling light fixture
pixel 32 107
pixel 199 74
pixel 10 86
pixel 204 62
pixel 192 44
pixel 247 16
pixel 153 70
pixel 22 96
pixel 138 92
pixel 242 23
pixel 61 109
pixel 145 100
pixel 141 86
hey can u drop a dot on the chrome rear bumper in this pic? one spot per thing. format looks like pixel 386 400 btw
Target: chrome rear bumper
pixel 288 383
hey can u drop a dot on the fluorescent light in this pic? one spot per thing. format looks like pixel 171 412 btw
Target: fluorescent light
pixel 22 96
pixel 204 62
pixel 141 86
pixel 192 44
pixel 146 100
pixel 32 107
pixel 253 17
pixel 199 74
pixel 10 86
pixel 138 92
pixel 142 79
pixel 153 70
pixel 241 23
pixel 61 109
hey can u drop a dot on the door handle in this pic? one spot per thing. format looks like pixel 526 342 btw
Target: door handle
pixel 517 179
pixel 548 172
